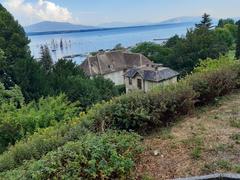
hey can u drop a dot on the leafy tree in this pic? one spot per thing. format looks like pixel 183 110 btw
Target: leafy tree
pixel 82 90
pixel 13 40
pixel 223 22
pixel 105 87
pixel 172 41
pixel 232 28
pixel 4 77
pixel 153 51
pixel 223 35
pixel 63 69
pixel 32 79
pixel 238 42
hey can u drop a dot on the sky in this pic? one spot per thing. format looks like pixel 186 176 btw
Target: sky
pixel 95 12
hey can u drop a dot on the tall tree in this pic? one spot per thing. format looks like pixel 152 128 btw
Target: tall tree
pixel 238 42
pixel 206 22
pixel 13 40
pixel 46 59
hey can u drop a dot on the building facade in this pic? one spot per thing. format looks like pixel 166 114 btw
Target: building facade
pixel 146 78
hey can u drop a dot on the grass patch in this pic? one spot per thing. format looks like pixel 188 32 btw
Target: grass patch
pixel 196 144
pixel 236 138
pixel 218 165
pixel 166 134
pixel 196 153
pixel 234 122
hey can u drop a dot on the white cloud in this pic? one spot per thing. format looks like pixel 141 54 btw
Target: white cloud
pixel 41 10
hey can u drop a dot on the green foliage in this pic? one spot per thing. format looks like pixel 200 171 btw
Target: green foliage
pixel 46 59
pixel 205 23
pixel 107 156
pixel 32 79
pixel 142 112
pixel 13 43
pixel 16 123
pixel 40 143
pixel 153 51
pixel 232 28
pixel 183 54
pixel 67 77
pixel 223 35
pixel 223 22
pixel 238 42
pixel 213 78
pixel 13 96
pixel 136 111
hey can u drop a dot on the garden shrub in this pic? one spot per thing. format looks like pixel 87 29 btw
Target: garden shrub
pixel 107 156
pixel 40 143
pixel 141 112
pixel 16 123
pixel 214 78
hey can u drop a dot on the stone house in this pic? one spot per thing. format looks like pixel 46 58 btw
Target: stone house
pixel 113 64
pixel 146 77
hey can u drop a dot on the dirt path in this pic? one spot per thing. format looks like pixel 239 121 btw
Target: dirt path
pixel 207 142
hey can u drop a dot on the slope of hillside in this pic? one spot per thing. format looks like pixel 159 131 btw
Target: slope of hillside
pixel 206 142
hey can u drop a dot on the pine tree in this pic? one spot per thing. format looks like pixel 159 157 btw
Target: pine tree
pixel 238 42
pixel 46 59
pixel 205 23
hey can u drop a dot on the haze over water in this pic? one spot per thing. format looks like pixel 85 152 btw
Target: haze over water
pixel 91 41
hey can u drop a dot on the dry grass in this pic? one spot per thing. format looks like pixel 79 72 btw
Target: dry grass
pixel 206 142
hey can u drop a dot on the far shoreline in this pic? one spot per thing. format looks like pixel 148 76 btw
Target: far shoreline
pixel 169 25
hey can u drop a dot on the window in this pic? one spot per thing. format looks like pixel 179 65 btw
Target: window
pixel 139 83
pixel 130 81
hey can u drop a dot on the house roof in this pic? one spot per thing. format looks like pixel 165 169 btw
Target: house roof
pixel 109 62
pixel 152 74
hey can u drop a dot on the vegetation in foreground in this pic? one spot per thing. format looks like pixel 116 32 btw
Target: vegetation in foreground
pixel 49 137
pixel 137 112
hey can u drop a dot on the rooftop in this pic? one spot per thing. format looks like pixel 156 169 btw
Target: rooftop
pixel 112 61
pixel 154 72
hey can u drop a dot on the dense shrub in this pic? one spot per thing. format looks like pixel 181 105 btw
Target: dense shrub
pixel 214 78
pixel 141 112
pixel 40 143
pixel 17 122
pixel 107 156
pixel 12 95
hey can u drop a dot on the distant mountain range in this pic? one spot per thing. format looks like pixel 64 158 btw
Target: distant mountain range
pixel 49 26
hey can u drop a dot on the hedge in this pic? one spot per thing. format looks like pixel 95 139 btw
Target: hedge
pixel 107 156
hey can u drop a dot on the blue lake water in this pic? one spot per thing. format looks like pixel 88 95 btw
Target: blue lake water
pixel 86 42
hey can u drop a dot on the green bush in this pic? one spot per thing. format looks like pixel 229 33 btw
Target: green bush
pixel 40 143
pixel 214 78
pixel 142 112
pixel 16 123
pixel 107 156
